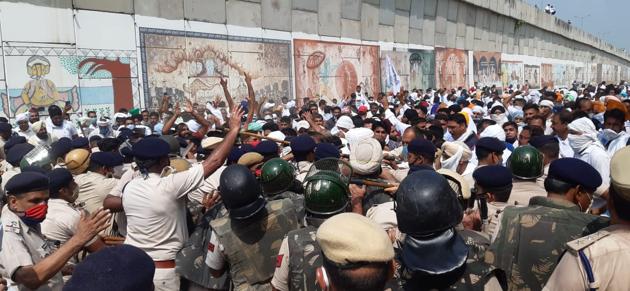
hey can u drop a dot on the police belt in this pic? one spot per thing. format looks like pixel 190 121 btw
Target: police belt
pixel 169 264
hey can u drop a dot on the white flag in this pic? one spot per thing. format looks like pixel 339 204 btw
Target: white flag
pixel 393 80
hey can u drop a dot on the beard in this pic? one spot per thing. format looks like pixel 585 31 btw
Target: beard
pixel 42 136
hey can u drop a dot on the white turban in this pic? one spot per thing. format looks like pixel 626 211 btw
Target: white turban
pixel 277 135
pixel 37 126
pixel 21 117
pixel 355 135
pixel 493 131
pixel 366 156
pixel 345 122
pixel 588 136
pixel 193 125
pixel 456 151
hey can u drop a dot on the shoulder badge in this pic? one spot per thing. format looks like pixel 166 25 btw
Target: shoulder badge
pixel 12 226
pixel 581 243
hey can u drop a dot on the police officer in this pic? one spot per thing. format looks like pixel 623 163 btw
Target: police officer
pixel 14 156
pixel 299 256
pixel 489 151
pixel 58 150
pixel 268 149
pixel 96 183
pixel 155 205
pixel 433 254
pixel 27 257
pixel 420 155
pixel 600 261
pixel 302 147
pixel 526 164
pixel 247 240
pixel 531 239
pixel 549 147
pixel 63 217
pixel 77 161
pixel 277 178
pixel 494 184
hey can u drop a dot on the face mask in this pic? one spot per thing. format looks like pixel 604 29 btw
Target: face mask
pixel 131 126
pixel 34 215
pixel 103 130
pixel 254 143
pixel 578 142
pixel 498 117
pixel 93 121
pixel 590 115
pixel 405 152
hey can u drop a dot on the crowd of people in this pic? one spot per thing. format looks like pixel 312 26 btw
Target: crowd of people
pixel 477 188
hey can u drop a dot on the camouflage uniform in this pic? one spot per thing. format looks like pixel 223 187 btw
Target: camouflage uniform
pixel 190 260
pixel 477 243
pixel 297 199
pixel 304 259
pixel 531 239
pixel 251 245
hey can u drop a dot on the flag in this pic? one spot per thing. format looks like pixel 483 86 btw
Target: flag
pixel 393 80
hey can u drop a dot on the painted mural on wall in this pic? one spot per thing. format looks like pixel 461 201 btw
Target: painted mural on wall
pixel 563 75
pixel 190 64
pixel 532 76
pixel 87 79
pixel 487 68
pixel 546 75
pixel 512 74
pixel 414 67
pixel 332 70
pixel 451 68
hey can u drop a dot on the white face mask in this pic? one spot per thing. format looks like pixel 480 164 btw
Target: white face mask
pixel 578 142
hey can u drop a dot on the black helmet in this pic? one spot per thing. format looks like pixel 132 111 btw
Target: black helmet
pixel 426 204
pixel 240 191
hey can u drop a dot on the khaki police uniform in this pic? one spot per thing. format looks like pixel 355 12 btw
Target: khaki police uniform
pixel 495 212
pixel 155 208
pixel 93 188
pixel 608 252
pixel 9 172
pixel 61 221
pixel 303 168
pixel 23 246
pixel 523 190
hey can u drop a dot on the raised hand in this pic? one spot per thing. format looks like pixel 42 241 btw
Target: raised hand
pixel 223 82
pixel 188 106
pixel 235 118
pixel 91 225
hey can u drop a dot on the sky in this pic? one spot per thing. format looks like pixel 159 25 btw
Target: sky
pixel 607 19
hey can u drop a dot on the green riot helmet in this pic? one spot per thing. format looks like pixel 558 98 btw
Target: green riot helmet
pixel 526 162
pixel 276 176
pixel 325 194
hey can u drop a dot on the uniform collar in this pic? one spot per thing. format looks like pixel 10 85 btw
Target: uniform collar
pixel 553 203
pixel 11 222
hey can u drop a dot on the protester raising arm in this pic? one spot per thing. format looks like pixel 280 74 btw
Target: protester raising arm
pixel 251 97
pixel 227 94
pixel 218 156
pixel 169 123
pixel 205 124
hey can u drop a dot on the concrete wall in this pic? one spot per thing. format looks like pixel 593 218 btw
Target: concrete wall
pixel 120 53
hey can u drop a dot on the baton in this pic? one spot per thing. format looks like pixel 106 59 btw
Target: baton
pixel 264 137
pixel 368 182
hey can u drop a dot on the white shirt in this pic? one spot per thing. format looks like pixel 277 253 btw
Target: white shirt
pixel 617 144
pixel 66 129
pixel 62 220
pixel 565 148
pixel 599 159
pixel 27 133
pixel 155 208
pixel 289 105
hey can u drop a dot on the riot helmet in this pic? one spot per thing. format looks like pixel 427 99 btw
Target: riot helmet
pixel 241 192
pixel 276 176
pixel 526 162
